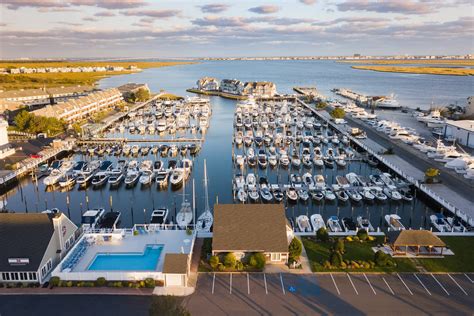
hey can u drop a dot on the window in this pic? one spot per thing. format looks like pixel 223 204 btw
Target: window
pixel 275 256
pixel 23 276
pixel 15 276
pixel 6 276
pixel 32 276
pixel 49 264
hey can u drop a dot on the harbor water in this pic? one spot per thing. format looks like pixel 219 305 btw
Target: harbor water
pixel 136 204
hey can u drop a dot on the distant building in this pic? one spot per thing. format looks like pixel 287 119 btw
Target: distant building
pixel 462 131
pixel 129 88
pixel 5 148
pixel 33 244
pixel 260 89
pixel 76 109
pixel 470 107
pixel 247 228
pixel 232 86
pixel 208 84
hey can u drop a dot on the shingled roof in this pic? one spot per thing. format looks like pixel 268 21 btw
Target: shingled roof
pixel 414 238
pixel 24 236
pixel 175 263
pixel 249 228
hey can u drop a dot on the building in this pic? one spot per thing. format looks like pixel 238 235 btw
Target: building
pixel 208 84
pixel 76 109
pixel 462 131
pixel 232 86
pixel 129 88
pixel 33 244
pixel 470 107
pixel 415 243
pixel 246 228
pixel 260 89
pixel 5 148
pixel 176 269
pixel 37 97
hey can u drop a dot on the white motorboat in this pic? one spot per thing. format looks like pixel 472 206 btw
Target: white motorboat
pixel 84 178
pixel 177 177
pixel 132 177
pixel 317 221
pixel 329 194
pixel 67 180
pixel 334 225
pixel 394 222
pixel 100 178
pixel 303 224
pixel 291 195
pixel 364 223
pixel 162 178
pixel 146 177
pixel 456 225
pixel 116 178
pixel 392 194
pixel 159 216
pixel 91 218
pixel 53 177
pixel 440 223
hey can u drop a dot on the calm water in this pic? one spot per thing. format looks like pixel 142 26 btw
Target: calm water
pixel 137 204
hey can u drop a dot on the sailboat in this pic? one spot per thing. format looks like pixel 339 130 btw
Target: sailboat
pixel 185 214
pixel 205 220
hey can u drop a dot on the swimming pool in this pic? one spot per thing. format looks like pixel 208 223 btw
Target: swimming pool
pixel 146 261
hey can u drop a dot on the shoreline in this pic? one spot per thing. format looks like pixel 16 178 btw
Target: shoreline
pixel 438 71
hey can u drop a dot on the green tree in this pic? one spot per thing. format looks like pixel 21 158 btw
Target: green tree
pixel 381 259
pixel 229 260
pixel 23 120
pixel 335 258
pixel 295 249
pixel 338 113
pixel 214 261
pixel 142 94
pixel 167 306
pixel 322 234
pixel 339 246
pixel 257 260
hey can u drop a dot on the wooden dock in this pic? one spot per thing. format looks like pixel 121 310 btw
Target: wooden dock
pixel 110 140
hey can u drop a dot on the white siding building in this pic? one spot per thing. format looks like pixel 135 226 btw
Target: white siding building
pixel 462 131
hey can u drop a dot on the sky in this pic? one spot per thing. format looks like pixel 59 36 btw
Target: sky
pixel 167 29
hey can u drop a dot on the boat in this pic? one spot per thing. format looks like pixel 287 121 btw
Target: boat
pixel 364 223
pixel 456 224
pixel 146 177
pixel 392 194
pixel 206 219
pixel 342 182
pixel 303 224
pixel 115 179
pixel 110 220
pixel 394 222
pixel 388 102
pixel 177 177
pixel 68 180
pixel 91 218
pixel 84 178
pixel 348 224
pixel 185 214
pixel 303 195
pixel 317 221
pixel 79 167
pixel 378 193
pixel 161 178
pixel 100 178
pixel 277 193
pixel 440 223
pixel 367 194
pixel 253 193
pixel 329 194
pixel 132 177
pixel 341 195
pixel 159 216
pixel 53 177
pixel 291 195
pixel 334 225
pixel 317 195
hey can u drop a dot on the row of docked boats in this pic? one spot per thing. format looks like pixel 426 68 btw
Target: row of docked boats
pixel 97 173
pixel 377 187
pixel 164 150
pixel 334 224
pixel 160 117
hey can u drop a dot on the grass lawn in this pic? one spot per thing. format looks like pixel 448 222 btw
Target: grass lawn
pixel 318 252
pixel 462 261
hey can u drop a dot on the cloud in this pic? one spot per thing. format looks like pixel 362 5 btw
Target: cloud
pixel 390 6
pixel 105 14
pixel 218 21
pixel 214 7
pixel 69 23
pixel 107 4
pixel 152 13
pixel 3 24
pixel 308 2
pixel 90 19
pixel 265 9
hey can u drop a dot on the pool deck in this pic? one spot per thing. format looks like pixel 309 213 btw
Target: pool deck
pixel 173 241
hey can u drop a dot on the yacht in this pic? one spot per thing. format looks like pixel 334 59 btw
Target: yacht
pixel 334 225
pixel 53 177
pixel 68 180
pixel 185 214
pixel 348 224
pixel 364 223
pixel 456 225
pixel 132 177
pixel 146 177
pixel 388 102
pixel 440 223
pixel 394 222
pixel 100 178
pixel 303 224
pixel 159 216
pixel 91 218
pixel 317 221
pixel 177 177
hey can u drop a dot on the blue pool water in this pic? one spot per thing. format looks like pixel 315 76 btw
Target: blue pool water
pixel 147 260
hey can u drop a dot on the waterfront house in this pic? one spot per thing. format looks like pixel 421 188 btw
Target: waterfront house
pixel 33 244
pixel 247 228
pixel 260 89
pixel 208 84
pixel 129 88
pixel 462 131
pixel 415 243
pixel 5 148
pixel 232 86
pixel 76 109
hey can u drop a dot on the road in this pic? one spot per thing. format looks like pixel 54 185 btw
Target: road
pixel 279 294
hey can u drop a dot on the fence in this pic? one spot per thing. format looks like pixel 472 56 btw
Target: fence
pixel 445 204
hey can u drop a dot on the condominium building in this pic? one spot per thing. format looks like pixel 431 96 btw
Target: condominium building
pixel 260 88
pixel 208 84
pixel 232 86
pixel 82 107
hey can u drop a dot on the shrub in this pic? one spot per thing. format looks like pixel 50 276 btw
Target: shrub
pixel 220 267
pixel 214 261
pixel 257 260
pixel 239 265
pixel 343 265
pixel 295 248
pixel 167 305
pixel 230 260
pixel 327 264
pixel 159 283
pixel 382 259
pixel 362 234
pixel 149 283
pixel 335 258
pixel 339 246
pixel 338 113
pixel 135 233
pixel 54 281
pixel 322 234
pixel 349 238
pixel 101 281
pixel 89 284
pixel 189 231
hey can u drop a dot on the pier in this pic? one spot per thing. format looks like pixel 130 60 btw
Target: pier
pixel 101 141
pixel 454 209
pixel 309 92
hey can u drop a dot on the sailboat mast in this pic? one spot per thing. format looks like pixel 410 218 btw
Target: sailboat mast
pixel 205 186
pixel 194 206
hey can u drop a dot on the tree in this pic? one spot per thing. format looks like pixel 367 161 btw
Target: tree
pixel 339 245
pixel 321 105
pixel 295 249
pixel 322 234
pixel 230 260
pixel 338 113
pixel 214 261
pixel 142 94
pixel 257 260
pixel 336 258
pixel 23 120
pixel 167 306
pixel 382 259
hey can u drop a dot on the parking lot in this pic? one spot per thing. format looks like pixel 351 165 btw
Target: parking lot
pixel 354 293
